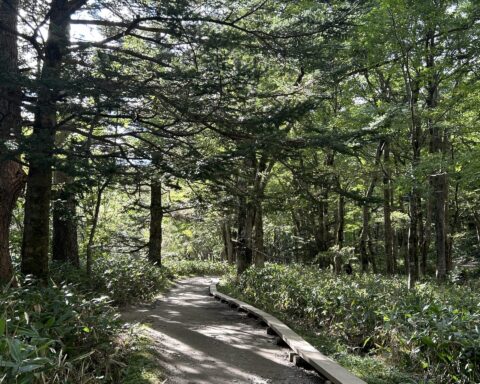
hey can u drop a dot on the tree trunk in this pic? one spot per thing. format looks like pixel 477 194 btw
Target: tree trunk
pixel 243 261
pixel 227 241
pixel 387 212
pixel 439 177
pixel 65 242
pixel 156 221
pixel 259 248
pixel 94 224
pixel 364 259
pixel 340 231
pixel 415 142
pixel 425 245
pixel 364 237
pixel 439 183
pixel 12 177
pixel 40 152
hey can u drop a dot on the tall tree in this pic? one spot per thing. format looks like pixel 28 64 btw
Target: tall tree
pixel 12 176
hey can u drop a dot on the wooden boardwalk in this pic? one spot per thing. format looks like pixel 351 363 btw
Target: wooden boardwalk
pixel 327 367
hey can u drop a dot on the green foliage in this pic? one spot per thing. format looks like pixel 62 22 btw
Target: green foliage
pixel 128 279
pixel 55 334
pixel 182 268
pixel 431 331
pixel 142 357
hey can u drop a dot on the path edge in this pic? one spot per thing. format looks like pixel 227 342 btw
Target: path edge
pixel 327 367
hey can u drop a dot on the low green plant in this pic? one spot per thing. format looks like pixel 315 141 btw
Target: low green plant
pixel 129 279
pixel 185 267
pixel 432 331
pixel 55 334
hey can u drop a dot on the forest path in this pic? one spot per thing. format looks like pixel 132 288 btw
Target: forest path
pixel 202 341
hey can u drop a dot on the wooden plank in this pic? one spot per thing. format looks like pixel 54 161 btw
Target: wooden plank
pixel 327 367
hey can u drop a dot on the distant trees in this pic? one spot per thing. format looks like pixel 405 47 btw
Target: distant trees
pixel 308 127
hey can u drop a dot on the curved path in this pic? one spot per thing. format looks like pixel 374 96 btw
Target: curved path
pixel 202 341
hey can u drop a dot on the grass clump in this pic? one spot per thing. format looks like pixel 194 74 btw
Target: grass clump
pixel 372 324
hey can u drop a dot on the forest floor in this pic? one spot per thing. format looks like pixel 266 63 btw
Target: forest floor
pixel 202 341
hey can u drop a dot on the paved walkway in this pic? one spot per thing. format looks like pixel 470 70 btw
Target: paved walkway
pixel 202 341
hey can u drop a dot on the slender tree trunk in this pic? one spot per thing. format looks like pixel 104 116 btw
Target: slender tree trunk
pixel 438 183
pixel 387 212
pixel 413 198
pixel 364 237
pixel 156 221
pixel 65 242
pixel 227 240
pixel 40 155
pixel 242 254
pixel 12 177
pixel 439 178
pixel 425 245
pixel 340 231
pixel 259 248
pixel 250 220
pixel 94 224
pixel 246 213
pixel 395 249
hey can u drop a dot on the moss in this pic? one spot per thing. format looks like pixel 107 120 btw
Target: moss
pixel 142 362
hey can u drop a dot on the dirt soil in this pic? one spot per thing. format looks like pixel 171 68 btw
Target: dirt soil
pixel 202 341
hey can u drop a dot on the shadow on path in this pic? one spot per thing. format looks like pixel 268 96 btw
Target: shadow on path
pixel 202 341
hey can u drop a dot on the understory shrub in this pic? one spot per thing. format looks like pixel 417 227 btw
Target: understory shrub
pixel 432 330
pixel 127 279
pixel 55 334
pixel 186 267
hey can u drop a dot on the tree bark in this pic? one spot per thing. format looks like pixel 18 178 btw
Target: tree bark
pixel 227 241
pixel 94 224
pixel 439 177
pixel 65 241
pixel 243 261
pixel 156 221
pixel 438 183
pixel 40 152
pixel 364 235
pixel 415 139
pixel 259 248
pixel 340 230
pixel 12 177
pixel 387 211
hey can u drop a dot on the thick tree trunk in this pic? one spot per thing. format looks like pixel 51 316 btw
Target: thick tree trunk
pixel 40 155
pixel 12 180
pixel 65 242
pixel 12 177
pixel 156 221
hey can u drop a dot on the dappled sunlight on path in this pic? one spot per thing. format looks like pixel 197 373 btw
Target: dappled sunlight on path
pixel 202 341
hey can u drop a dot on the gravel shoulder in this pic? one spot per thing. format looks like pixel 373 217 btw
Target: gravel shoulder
pixel 202 341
